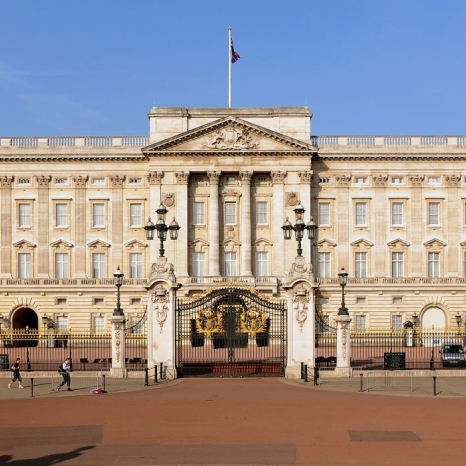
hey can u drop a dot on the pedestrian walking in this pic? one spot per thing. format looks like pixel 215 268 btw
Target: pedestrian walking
pixel 64 370
pixel 15 368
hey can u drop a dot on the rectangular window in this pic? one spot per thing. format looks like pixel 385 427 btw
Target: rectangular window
pixel 61 265
pixel 24 265
pixel 135 265
pixel 397 264
pixel 360 180
pixel 324 264
pixel 198 264
pixel 397 214
pixel 434 264
pixel 98 265
pixel 261 213
pixel 360 322
pixel 135 215
pixel 24 215
pixel 361 264
pixel 61 215
pixel 230 264
pixel 361 212
pixel 62 323
pixel 433 180
pixel 360 300
pixel 324 213
pixel 397 321
pixel 434 213
pixel 397 300
pixel 397 180
pixel 98 323
pixel 198 213
pixel 98 215
pixel 262 264
pixel 230 213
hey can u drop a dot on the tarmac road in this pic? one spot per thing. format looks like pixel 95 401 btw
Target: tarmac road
pixel 235 421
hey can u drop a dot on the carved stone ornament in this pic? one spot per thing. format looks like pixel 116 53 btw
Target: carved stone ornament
pixel 5 181
pixel 416 180
pixel 117 180
pixel 182 177
pixel 43 181
pixel 300 269
pixel 160 299
pixel 245 177
pixel 278 177
pixel 168 199
pixel 118 334
pixel 304 177
pixel 162 269
pixel 214 177
pixel 343 180
pixel 231 138
pixel 453 180
pixel 80 181
pixel 291 199
pixel 230 233
pixel 155 177
pixel 380 180
pixel 301 305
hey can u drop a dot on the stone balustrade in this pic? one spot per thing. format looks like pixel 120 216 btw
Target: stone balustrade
pixel 92 141
pixel 388 140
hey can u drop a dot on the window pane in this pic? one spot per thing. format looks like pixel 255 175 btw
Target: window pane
pixel 261 213
pixel 198 264
pixel 61 265
pixel 262 264
pixel 98 218
pixel 324 213
pixel 62 323
pixel 24 215
pixel 361 264
pixel 324 264
pixel 397 322
pixel 397 264
pixel 360 322
pixel 198 213
pixel 99 322
pixel 397 213
pixel 61 215
pixel 360 213
pixel 434 264
pixel 135 265
pixel 230 264
pixel 98 265
pixel 135 215
pixel 434 213
pixel 230 213
pixel 24 265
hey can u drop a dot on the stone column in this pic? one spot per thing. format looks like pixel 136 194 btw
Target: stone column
pixel 454 235
pixel 118 368
pixel 344 210
pixel 214 233
pixel 7 226
pixel 155 181
pixel 43 226
pixel 381 219
pixel 80 227
pixel 246 246
pixel 343 345
pixel 118 223
pixel 278 213
pixel 182 208
pixel 413 229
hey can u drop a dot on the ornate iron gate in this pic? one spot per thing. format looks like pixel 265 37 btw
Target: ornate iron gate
pixel 231 332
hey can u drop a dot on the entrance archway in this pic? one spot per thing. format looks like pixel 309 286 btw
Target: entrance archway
pixel 25 317
pixel 433 318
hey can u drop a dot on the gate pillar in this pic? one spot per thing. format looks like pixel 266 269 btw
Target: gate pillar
pixel 343 344
pixel 301 319
pixel 161 288
pixel 118 368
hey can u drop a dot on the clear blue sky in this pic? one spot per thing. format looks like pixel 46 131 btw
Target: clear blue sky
pixel 363 67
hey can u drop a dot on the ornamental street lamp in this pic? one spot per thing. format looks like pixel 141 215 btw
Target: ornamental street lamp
pixel 299 227
pixel 45 320
pixel 1 321
pixel 415 320
pixel 343 278
pixel 118 274
pixel 162 228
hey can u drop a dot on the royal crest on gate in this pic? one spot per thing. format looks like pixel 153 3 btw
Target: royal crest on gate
pixel 253 322
pixel 209 322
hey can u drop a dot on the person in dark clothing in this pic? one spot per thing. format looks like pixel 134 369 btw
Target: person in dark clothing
pixel 65 372
pixel 16 374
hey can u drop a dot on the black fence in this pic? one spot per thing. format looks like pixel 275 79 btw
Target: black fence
pixel 397 349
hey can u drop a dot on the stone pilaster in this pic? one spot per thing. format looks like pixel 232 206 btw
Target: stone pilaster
pixel 381 225
pixel 214 228
pixel 246 246
pixel 7 225
pixel 43 182
pixel 415 233
pixel 117 182
pixel 182 210
pixel 155 181
pixel 278 212
pixel 80 226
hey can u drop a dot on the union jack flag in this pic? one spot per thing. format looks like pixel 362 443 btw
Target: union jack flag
pixel 234 56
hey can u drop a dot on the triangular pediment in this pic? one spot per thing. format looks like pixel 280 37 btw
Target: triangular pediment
pixel 24 244
pixel 362 244
pixel 135 244
pixel 229 135
pixel 435 243
pixel 325 243
pixel 398 243
pixel 98 244
pixel 61 244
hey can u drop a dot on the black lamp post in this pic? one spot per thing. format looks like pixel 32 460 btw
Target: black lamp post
pixel 459 319
pixel 299 227
pixel 415 320
pixel 343 278
pixel 118 274
pixel 162 228
pixel 1 321
pixel 45 320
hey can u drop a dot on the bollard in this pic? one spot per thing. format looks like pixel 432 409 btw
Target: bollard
pixel 161 371
pixel 146 377
pixel 32 387
pixel 302 370
pixel 316 375
pixel 435 385
pixel 103 388
pixel 361 384
pixel 305 373
pixel 155 375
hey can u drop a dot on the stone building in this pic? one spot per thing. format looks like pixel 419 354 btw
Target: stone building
pixel 390 209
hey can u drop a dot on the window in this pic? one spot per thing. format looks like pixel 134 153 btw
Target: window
pixel 134 180
pixel 135 301
pixel 397 213
pixel 361 208
pixel 397 300
pixel 61 265
pixel 62 323
pixel 98 265
pixel 360 322
pixel 262 269
pixel 433 180
pixel 434 213
pixel 61 180
pixel 24 215
pixel 360 300
pixel 198 264
pixel 98 323
pixel 135 215
pixel 397 180
pixel 361 264
pixel 324 180
pixel 397 264
pixel 135 265
pixel 24 265
pixel 433 264
pixel 324 213
pixel 98 301
pixel 61 215
pixel 98 215
pixel 230 213
pixel 98 181
pixel 24 181
pixel 397 321
pixel 231 179
pixel 360 180
pixel 324 264
pixel 261 213
pixel 61 301
pixel 230 264
pixel 198 213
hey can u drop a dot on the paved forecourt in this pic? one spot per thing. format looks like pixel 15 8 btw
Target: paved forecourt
pixel 234 421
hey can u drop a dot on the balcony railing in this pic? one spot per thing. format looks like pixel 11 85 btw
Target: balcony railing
pixel 393 281
pixel 91 141
pixel 69 281
pixel 388 140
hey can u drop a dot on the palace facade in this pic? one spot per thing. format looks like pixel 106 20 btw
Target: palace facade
pixel 390 209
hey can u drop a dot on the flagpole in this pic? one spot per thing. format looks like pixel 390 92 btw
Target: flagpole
pixel 229 66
